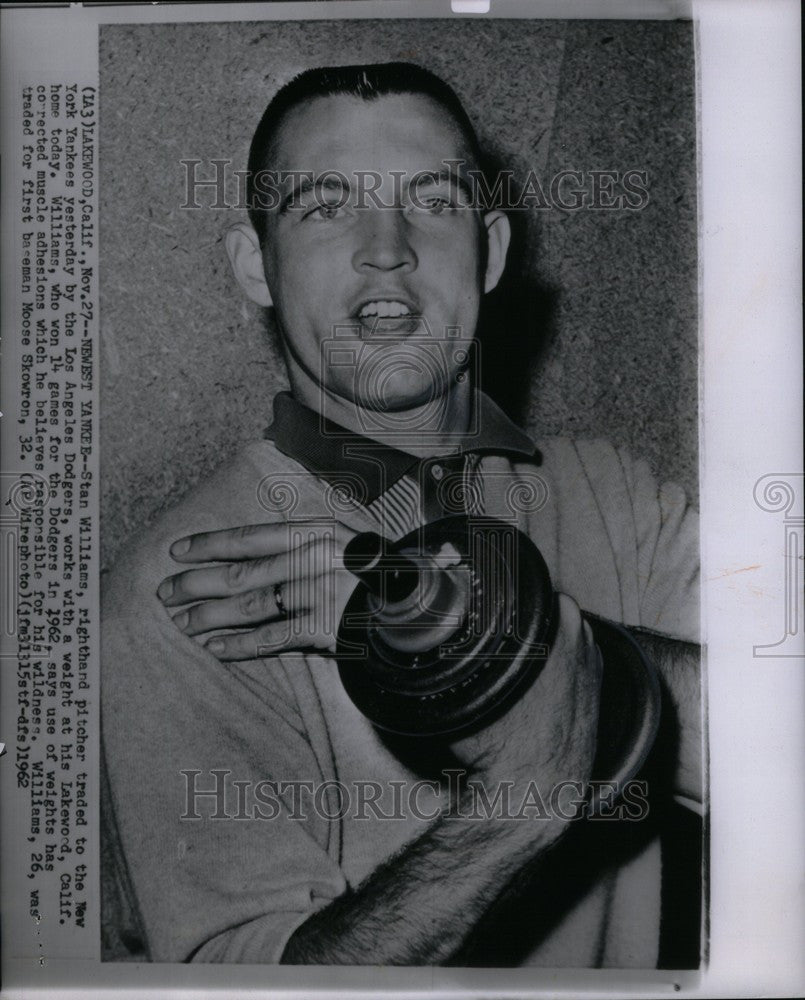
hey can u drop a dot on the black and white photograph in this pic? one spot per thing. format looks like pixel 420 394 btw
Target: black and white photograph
pixel 401 659
pixel 401 499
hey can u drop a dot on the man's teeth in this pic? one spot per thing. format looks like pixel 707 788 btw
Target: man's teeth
pixel 385 308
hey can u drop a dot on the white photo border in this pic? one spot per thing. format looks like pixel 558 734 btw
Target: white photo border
pixel 751 409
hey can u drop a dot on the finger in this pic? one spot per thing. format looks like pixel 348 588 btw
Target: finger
pixel 568 636
pixel 592 673
pixel 251 541
pixel 581 652
pixel 571 623
pixel 592 655
pixel 310 559
pixel 269 640
pixel 264 604
pixel 228 579
pixel 582 671
pixel 565 675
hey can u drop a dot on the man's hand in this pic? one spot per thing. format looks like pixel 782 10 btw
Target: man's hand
pixel 548 734
pixel 283 586
pixel 423 905
pixel 288 591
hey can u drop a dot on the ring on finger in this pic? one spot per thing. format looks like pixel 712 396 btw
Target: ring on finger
pixel 278 600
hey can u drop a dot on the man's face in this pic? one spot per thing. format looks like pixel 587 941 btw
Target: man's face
pixel 396 289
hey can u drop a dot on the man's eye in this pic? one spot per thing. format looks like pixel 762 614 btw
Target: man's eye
pixel 324 213
pixel 437 199
pixel 435 203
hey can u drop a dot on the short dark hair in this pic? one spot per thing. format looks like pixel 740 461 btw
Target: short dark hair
pixel 367 82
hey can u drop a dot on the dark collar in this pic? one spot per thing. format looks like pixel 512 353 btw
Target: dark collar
pixel 328 450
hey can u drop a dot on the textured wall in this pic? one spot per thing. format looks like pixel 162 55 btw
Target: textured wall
pixel 594 330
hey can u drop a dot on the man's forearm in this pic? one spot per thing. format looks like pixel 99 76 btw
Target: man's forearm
pixel 679 666
pixel 419 907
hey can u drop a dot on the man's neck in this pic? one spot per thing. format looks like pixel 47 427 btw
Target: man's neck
pixel 423 431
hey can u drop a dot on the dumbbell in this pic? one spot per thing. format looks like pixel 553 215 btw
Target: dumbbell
pixel 452 623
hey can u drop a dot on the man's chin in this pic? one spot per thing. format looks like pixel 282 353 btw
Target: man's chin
pixel 390 398
pixel 392 329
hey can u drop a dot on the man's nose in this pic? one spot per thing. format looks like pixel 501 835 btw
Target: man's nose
pixel 384 243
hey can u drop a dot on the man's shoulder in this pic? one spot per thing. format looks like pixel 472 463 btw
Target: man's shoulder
pixel 620 540
pixel 564 455
pixel 566 465
pixel 611 472
pixel 251 486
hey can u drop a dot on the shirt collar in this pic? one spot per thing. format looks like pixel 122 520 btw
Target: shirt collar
pixel 330 451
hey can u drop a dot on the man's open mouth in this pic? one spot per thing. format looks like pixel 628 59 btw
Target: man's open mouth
pixel 387 316
pixel 384 309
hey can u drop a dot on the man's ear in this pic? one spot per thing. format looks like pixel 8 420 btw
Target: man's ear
pixel 246 258
pixel 498 235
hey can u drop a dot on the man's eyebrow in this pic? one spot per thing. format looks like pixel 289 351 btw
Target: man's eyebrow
pixel 444 173
pixel 305 184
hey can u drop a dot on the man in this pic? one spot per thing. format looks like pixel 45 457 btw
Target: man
pixel 219 625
